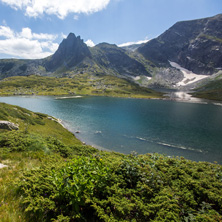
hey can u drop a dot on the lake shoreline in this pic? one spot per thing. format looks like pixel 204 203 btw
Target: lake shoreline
pixel 178 96
pixel 115 124
pixel 65 126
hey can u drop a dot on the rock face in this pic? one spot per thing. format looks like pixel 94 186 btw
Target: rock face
pixel 21 67
pixel 71 51
pixel 73 54
pixel 8 125
pixel 196 45
pixel 111 57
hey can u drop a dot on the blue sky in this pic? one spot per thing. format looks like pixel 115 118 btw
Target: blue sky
pixel 34 28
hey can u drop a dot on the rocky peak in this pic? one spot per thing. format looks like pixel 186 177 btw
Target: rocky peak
pixel 196 45
pixel 71 51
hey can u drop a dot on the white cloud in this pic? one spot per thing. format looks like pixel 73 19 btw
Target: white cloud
pixel 44 36
pixel 60 8
pixel 16 4
pixel 133 43
pixel 63 35
pixel 6 32
pixel 26 33
pixel 90 43
pixel 26 44
pixel 23 48
pixel 49 45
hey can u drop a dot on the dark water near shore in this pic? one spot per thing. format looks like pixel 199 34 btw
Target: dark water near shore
pixel 173 128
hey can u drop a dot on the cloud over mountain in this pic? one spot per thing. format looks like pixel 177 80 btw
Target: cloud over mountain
pixel 26 44
pixel 90 43
pixel 60 8
pixel 133 43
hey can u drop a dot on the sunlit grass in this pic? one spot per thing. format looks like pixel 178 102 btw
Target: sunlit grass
pixel 82 84
pixel 212 90
pixel 11 209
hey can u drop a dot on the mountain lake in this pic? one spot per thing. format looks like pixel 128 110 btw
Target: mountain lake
pixel 191 130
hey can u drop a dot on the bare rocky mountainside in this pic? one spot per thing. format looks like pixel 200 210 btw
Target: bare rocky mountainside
pixel 195 45
pixel 70 53
pixel 181 57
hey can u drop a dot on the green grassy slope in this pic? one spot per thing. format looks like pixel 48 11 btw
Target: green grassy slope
pixel 82 84
pixel 212 90
pixel 38 123
pixel 51 179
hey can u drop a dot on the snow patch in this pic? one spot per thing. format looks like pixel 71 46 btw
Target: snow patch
pixel 139 77
pixel 184 97
pixel 189 76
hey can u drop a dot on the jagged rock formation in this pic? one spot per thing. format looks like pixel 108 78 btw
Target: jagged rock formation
pixel 112 57
pixel 196 45
pixel 71 52
pixel 74 57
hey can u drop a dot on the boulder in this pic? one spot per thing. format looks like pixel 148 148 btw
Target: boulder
pixel 8 125
pixel 2 166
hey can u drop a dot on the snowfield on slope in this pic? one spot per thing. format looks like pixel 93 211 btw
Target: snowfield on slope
pixel 189 76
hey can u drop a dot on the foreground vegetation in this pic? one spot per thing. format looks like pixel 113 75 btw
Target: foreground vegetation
pixel 82 84
pixel 51 176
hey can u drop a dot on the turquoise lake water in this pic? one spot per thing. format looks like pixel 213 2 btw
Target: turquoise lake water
pixel 146 126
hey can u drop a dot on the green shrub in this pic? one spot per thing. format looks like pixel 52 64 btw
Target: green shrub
pixel 63 192
pixel 21 141
pixel 134 188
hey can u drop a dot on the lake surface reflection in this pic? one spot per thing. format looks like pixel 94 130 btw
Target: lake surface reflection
pixel 173 128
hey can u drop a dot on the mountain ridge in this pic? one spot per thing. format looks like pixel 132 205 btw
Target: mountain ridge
pixel 195 45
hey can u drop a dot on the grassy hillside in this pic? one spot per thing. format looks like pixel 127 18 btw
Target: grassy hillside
pixel 36 123
pixel 83 84
pixel 51 176
pixel 212 90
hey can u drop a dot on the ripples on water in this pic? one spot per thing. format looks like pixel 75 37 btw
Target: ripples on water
pixel 146 126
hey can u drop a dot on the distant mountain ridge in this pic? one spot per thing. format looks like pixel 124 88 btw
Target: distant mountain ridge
pixel 194 45
pixel 74 57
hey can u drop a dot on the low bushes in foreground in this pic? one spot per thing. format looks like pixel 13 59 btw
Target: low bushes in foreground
pixel 51 176
pixel 134 188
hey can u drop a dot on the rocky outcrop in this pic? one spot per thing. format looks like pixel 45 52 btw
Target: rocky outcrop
pixel 166 78
pixel 195 45
pixel 2 166
pixel 21 67
pixel 8 125
pixel 71 52
pixel 113 58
